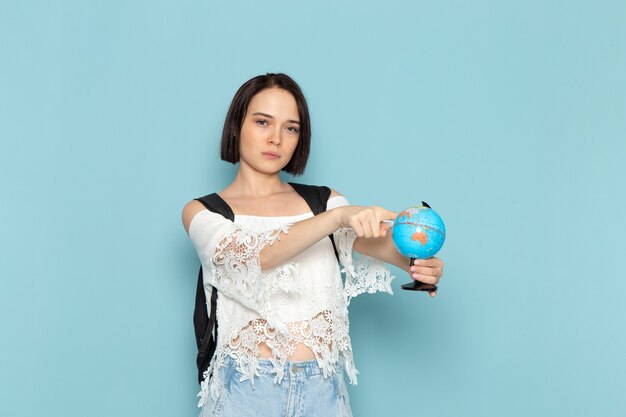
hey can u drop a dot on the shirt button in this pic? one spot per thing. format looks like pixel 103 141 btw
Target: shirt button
pixel 294 368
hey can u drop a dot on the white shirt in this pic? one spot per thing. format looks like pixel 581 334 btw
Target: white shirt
pixel 303 300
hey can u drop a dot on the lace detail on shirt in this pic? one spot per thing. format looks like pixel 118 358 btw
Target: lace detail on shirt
pixel 363 273
pixel 319 334
pixel 324 334
pixel 236 270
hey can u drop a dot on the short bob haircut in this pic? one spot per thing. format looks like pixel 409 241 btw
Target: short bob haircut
pixel 239 106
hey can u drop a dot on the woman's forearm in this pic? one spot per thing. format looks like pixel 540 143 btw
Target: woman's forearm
pixel 300 236
pixel 384 249
pixel 366 222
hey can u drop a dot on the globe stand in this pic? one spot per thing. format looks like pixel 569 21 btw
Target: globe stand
pixel 416 285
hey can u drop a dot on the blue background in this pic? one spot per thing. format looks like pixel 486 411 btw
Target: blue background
pixel 507 117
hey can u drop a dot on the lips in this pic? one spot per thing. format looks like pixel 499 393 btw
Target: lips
pixel 270 155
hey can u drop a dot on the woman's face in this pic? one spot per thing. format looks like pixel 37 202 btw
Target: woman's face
pixel 270 131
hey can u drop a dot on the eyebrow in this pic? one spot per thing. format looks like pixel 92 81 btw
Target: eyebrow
pixel 269 116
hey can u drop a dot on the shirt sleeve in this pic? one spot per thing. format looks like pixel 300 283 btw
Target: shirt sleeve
pixel 231 261
pixel 363 273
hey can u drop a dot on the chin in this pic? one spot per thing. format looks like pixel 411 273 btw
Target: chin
pixel 267 167
pixel 270 169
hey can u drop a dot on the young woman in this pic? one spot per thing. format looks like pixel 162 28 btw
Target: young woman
pixel 283 343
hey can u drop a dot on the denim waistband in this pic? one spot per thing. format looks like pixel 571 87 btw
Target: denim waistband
pixel 297 368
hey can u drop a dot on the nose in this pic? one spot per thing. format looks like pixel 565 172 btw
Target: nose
pixel 276 137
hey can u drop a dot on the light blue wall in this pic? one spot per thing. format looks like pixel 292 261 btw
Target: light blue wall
pixel 507 117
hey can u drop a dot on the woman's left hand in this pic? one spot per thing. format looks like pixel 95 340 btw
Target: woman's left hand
pixel 428 271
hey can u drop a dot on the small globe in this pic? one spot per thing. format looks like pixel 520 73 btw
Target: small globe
pixel 418 232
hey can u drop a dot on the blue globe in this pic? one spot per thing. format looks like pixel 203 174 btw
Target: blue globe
pixel 418 232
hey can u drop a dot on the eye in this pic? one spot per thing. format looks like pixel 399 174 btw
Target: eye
pixel 261 122
pixel 293 129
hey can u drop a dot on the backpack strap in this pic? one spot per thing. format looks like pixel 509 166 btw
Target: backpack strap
pixel 205 326
pixel 316 197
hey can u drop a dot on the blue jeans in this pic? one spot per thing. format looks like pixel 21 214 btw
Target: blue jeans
pixel 303 392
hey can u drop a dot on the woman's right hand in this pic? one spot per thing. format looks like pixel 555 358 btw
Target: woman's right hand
pixel 366 221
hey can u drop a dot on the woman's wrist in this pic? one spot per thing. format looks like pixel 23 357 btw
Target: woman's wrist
pixel 337 217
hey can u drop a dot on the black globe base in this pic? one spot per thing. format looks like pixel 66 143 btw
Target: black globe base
pixel 416 285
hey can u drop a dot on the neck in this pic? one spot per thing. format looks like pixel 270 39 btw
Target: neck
pixel 252 183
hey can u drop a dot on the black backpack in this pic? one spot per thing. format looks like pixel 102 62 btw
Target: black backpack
pixel 206 326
